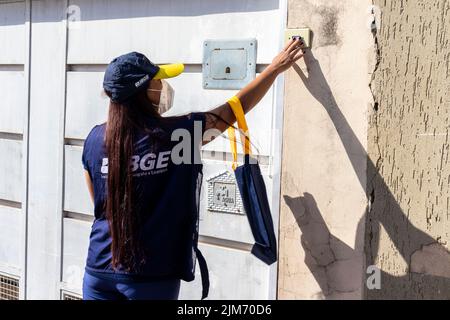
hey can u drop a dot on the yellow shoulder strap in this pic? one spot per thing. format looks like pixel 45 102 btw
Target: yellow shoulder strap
pixel 238 111
pixel 232 136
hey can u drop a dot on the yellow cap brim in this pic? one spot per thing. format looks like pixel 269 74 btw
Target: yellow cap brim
pixel 169 70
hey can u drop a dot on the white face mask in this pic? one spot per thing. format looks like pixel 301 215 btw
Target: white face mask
pixel 166 97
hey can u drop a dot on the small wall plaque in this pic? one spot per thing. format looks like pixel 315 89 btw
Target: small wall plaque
pixel 223 194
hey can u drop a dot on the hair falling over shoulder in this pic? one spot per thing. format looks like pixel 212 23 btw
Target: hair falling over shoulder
pixel 123 219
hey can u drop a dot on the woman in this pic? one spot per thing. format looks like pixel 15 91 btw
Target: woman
pixel 145 183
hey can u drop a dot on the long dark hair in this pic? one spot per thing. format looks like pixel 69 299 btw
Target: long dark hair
pixel 124 221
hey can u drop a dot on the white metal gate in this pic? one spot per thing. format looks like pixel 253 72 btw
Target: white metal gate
pixel 51 71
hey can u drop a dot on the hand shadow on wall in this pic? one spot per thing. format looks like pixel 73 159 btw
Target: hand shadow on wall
pixel 428 276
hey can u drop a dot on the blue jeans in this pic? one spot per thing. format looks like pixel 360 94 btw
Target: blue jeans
pixel 107 287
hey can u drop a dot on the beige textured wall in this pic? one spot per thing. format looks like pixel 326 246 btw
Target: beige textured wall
pixel 408 230
pixel 323 201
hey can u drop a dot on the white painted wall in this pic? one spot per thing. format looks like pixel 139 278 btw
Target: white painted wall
pixel 65 75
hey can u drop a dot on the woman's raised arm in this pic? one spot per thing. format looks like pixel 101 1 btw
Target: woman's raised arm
pixel 221 117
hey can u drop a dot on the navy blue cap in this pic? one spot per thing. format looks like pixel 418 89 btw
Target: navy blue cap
pixel 127 75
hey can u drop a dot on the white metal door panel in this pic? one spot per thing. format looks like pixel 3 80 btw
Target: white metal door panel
pixel 65 102
pixel 174 31
pixel 45 174
pixel 11 170
pixel 12 29
pixel 75 244
pixel 168 30
pixel 14 35
pixel 10 239
pixel 14 100
pixel 76 195
pixel 225 265
pixel 85 105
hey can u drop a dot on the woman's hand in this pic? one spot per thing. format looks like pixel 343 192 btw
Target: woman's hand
pixel 293 51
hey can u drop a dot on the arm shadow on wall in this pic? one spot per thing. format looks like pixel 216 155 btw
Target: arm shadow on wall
pixel 428 262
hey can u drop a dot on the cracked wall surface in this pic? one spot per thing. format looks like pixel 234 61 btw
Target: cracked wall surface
pixel 324 165
pixel 407 227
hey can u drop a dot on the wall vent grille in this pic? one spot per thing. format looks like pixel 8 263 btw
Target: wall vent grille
pixel 9 288
pixel 69 296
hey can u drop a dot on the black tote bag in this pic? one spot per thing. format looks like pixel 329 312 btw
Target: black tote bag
pixel 253 191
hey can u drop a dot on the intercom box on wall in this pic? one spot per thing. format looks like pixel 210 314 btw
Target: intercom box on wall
pixel 305 33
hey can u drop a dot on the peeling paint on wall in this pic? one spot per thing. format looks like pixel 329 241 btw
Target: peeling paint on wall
pixel 328 35
pixel 408 229
pixel 325 16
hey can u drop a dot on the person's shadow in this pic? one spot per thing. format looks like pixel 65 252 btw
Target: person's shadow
pixel 332 262
pixel 427 278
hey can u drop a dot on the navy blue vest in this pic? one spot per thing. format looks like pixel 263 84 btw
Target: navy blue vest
pixel 168 196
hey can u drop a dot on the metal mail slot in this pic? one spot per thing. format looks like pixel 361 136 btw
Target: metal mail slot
pixel 228 64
